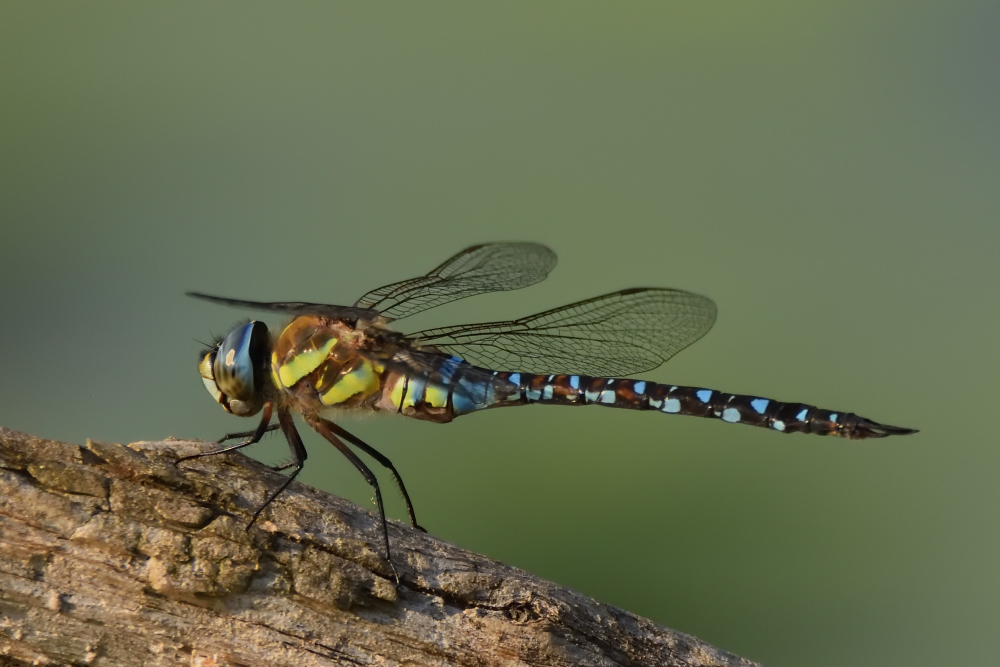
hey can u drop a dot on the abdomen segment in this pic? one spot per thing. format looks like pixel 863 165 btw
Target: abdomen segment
pixel 692 401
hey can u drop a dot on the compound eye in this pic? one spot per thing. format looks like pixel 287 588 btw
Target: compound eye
pixel 238 359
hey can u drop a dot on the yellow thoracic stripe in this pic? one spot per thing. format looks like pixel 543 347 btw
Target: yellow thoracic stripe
pixel 302 364
pixel 361 380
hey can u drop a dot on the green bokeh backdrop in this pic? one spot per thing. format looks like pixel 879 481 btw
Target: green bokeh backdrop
pixel 827 172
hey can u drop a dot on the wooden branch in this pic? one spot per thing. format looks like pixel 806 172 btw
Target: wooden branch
pixel 113 555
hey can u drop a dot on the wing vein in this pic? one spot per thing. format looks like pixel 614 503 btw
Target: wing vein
pixel 621 333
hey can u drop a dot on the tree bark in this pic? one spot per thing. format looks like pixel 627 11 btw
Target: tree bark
pixel 114 555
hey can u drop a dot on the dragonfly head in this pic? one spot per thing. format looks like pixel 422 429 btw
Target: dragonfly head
pixel 234 371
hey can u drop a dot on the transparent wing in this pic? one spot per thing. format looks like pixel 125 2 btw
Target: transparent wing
pixel 488 267
pixel 621 333
pixel 294 307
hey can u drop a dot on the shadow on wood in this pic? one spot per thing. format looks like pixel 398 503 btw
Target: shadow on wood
pixel 112 555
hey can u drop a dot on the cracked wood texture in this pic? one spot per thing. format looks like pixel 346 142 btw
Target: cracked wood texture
pixel 113 555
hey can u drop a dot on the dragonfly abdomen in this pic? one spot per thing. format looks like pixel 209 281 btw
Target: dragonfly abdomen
pixel 692 401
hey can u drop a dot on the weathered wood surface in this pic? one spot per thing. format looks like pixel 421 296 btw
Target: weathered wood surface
pixel 112 555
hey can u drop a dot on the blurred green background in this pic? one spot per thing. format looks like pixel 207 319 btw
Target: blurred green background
pixel 827 172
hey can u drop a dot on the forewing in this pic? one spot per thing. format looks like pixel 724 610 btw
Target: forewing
pixel 621 333
pixel 488 267
pixel 294 307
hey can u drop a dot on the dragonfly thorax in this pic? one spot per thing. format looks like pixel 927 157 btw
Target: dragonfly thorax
pixel 235 370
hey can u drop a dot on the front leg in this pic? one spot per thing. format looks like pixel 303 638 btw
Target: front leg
pixel 246 434
pixel 251 437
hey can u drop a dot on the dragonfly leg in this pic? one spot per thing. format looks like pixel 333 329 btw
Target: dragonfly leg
pixel 298 456
pixel 245 434
pixel 251 437
pixel 384 460
pixel 323 427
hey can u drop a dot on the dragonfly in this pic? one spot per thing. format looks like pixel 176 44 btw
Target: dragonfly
pixel 331 360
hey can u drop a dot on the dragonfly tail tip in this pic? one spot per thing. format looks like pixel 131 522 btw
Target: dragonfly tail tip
pixel 866 428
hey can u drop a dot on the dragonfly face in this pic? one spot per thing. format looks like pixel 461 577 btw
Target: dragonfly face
pixel 235 371
pixel 343 358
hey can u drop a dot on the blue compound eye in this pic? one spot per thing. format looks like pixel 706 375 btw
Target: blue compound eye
pixel 238 360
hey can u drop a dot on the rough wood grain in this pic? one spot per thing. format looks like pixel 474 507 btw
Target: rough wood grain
pixel 112 555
